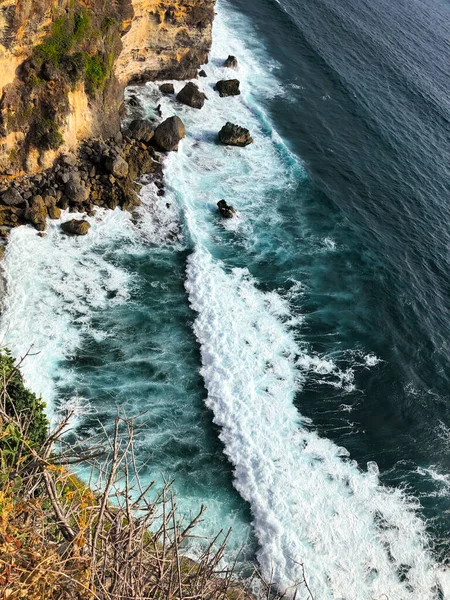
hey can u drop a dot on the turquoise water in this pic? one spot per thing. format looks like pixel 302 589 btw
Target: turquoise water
pixel 206 327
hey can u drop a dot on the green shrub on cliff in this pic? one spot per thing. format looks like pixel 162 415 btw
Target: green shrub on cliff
pixel 45 134
pixel 96 73
pixel 19 403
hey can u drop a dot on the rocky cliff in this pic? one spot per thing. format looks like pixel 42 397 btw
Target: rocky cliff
pixel 64 65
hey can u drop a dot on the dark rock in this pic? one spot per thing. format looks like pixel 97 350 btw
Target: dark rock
pixel 167 88
pixel 169 133
pixel 228 87
pixel 76 191
pixel 76 227
pixel 231 62
pixel 226 210
pixel 140 130
pixel 133 101
pixel 191 96
pixel 12 198
pixel 202 73
pixel 49 70
pixel 234 135
pixel 63 203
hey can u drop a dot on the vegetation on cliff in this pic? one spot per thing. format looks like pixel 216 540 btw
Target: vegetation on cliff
pixel 76 54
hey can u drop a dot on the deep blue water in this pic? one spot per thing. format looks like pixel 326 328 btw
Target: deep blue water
pixel 329 295
pixel 370 119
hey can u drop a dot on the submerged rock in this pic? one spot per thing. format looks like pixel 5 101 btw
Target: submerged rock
pixel 76 227
pixel 226 210
pixel 231 62
pixel 141 130
pixel 228 87
pixel 235 135
pixel 191 96
pixel 167 88
pixel 169 133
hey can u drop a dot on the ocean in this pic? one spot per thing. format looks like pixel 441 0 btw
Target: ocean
pixel 291 363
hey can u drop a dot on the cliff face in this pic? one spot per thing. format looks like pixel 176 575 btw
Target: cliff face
pixel 64 64
pixel 167 39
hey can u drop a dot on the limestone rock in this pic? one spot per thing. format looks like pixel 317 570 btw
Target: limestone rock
pixel 228 87
pixel 231 62
pixel 234 135
pixel 69 159
pixel 169 133
pixel 167 88
pixel 76 227
pixel 50 201
pixel 54 212
pixel 10 216
pixel 226 210
pixel 117 166
pixel 141 130
pixel 191 96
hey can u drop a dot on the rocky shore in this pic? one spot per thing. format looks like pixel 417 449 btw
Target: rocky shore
pixel 101 173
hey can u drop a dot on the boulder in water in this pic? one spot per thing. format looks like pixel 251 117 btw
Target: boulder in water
pixel 226 210
pixel 169 133
pixel 191 96
pixel 235 135
pixel 167 88
pixel 76 227
pixel 202 73
pixel 140 130
pixel 228 87
pixel 231 62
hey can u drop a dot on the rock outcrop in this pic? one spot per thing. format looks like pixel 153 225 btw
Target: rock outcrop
pixel 76 227
pixel 231 62
pixel 235 135
pixel 141 130
pixel 191 96
pixel 169 134
pixel 226 210
pixel 167 88
pixel 228 87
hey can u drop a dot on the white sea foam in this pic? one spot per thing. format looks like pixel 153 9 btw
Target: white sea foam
pixel 54 283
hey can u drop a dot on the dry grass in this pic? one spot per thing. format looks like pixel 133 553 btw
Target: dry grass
pixel 60 540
